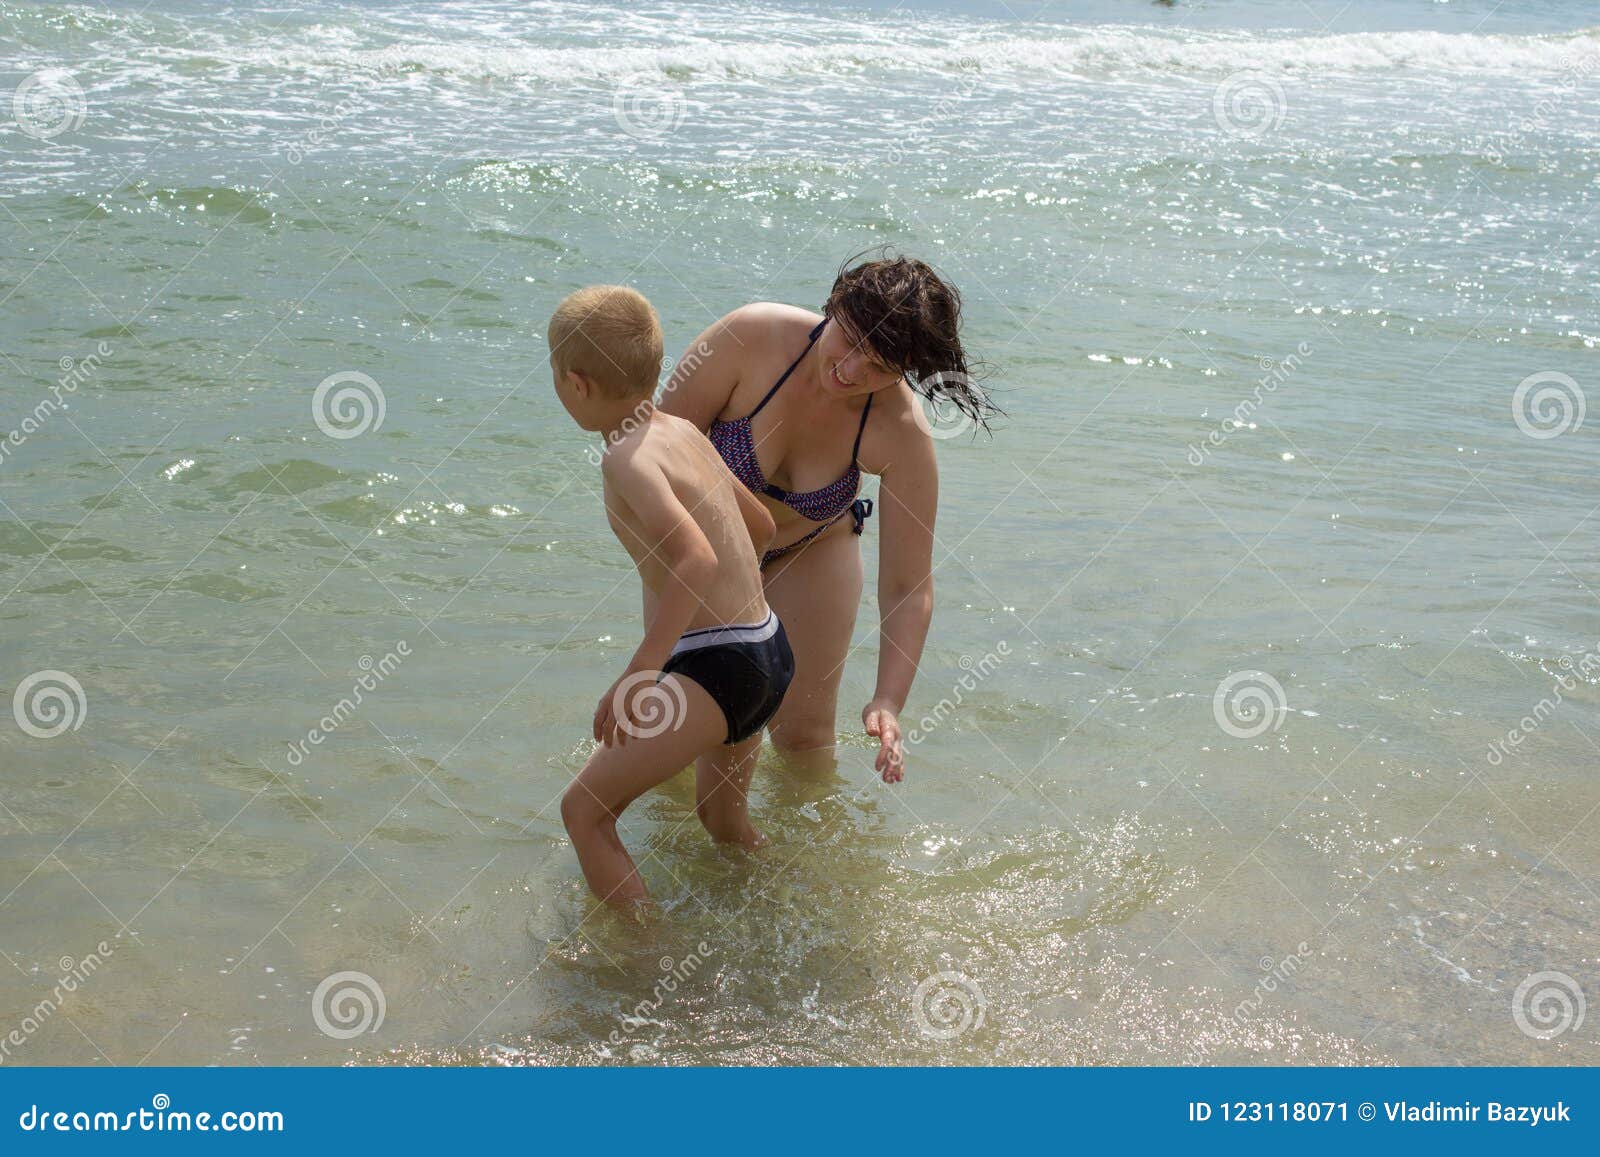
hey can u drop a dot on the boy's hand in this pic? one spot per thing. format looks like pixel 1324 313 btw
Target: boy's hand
pixel 639 705
pixel 883 724
pixel 613 720
pixel 605 722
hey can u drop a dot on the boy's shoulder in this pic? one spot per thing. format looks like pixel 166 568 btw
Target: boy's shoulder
pixel 648 446
pixel 625 455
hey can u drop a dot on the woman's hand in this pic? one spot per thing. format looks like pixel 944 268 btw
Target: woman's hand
pixel 882 722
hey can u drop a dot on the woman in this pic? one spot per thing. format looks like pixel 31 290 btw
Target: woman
pixel 800 406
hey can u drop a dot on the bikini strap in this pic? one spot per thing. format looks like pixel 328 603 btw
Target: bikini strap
pixel 815 333
pixel 862 429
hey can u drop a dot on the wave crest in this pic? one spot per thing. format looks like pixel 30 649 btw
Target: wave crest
pixel 1092 52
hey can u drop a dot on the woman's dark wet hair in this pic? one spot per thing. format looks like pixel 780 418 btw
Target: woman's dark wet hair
pixel 911 319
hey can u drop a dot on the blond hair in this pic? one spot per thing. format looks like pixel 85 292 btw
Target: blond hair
pixel 610 334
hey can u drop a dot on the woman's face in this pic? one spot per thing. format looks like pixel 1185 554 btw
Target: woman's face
pixel 849 365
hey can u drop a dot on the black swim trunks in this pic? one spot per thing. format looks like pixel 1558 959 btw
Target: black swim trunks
pixel 744 668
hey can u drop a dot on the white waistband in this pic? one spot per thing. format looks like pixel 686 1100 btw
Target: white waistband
pixel 732 633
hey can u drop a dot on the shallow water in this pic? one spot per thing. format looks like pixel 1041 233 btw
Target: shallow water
pixel 1374 229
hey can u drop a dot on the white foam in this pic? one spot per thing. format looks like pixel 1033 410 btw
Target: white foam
pixel 869 48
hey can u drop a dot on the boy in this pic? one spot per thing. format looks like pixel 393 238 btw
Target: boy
pixel 715 662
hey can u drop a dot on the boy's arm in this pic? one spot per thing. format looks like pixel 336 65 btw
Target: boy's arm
pixel 677 541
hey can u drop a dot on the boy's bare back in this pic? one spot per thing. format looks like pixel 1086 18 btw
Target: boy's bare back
pixel 667 460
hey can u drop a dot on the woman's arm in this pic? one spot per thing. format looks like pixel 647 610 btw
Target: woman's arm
pixel 756 518
pixel 908 502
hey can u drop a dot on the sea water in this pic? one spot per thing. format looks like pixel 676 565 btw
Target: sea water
pixel 1258 719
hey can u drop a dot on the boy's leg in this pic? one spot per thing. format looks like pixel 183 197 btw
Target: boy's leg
pixel 615 776
pixel 722 785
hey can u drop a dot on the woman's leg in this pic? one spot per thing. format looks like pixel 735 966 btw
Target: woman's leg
pixel 615 776
pixel 816 592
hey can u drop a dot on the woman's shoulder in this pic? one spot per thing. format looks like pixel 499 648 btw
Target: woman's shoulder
pixel 765 321
pixel 902 406
pixel 897 429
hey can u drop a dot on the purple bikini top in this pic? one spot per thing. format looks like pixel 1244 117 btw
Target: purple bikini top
pixel 735 442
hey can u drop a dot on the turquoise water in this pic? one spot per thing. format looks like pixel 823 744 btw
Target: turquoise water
pixel 1258 285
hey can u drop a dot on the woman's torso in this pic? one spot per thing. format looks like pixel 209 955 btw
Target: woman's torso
pixel 801 457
